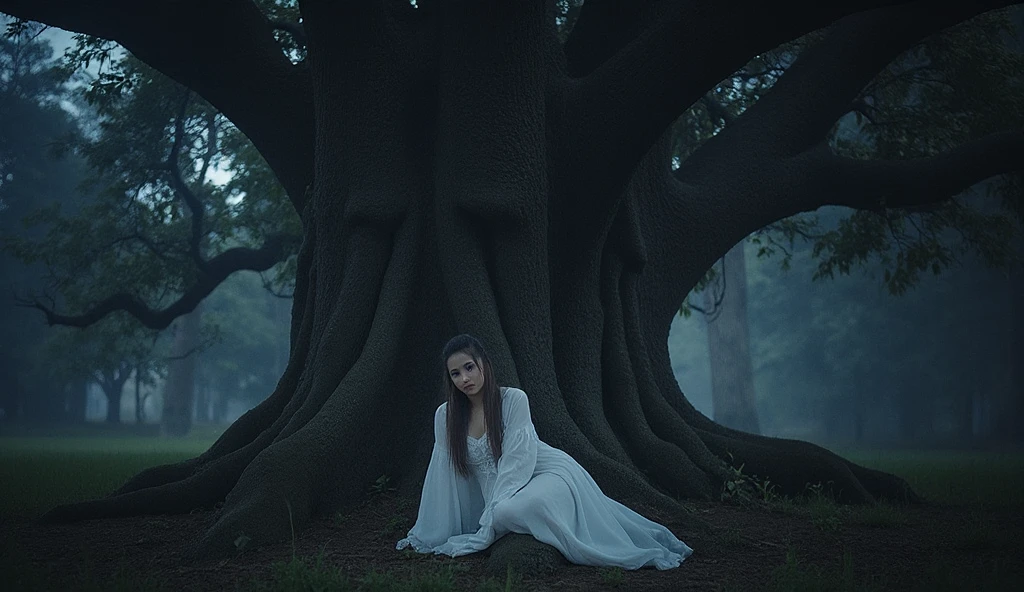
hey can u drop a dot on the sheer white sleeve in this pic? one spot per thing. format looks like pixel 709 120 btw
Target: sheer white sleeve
pixel 441 514
pixel 518 452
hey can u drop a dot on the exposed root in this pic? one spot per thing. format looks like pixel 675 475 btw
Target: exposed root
pixel 789 468
pixel 202 489
pixel 332 457
pixel 578 330
pixel 159 475
pixel 708 469
pixel 793 462
pixel 661 461
pixel 628 487
pixel 348 324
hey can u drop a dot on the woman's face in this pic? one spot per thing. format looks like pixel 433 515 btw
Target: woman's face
pixel 466 374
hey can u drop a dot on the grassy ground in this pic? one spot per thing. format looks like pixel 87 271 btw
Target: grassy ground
pixel 38 472
pixel 953 477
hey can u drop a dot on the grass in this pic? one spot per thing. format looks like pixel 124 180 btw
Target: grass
pixel 317 575
pixel 19 573
pixel 795 576
pixel 40 472
pixel 995 479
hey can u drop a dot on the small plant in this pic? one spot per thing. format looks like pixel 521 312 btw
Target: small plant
pixel 818 491
pixel 381 486
pixel 737 487
pixel 747 490
pixel 612 576
pixel 339 518
pixel 766 490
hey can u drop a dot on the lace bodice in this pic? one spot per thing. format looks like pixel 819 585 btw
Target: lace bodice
pixel 481 464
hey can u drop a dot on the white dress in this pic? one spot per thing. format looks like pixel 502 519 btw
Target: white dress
pixel 533 489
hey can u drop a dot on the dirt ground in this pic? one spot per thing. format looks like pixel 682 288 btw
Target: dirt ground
pixel 931 547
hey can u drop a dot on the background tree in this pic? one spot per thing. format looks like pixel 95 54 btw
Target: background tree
pixel 161 235
pixel 32 122
pixel 107 353
pixel 457 167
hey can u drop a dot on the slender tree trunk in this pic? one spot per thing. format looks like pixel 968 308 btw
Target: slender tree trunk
pixel 179 390
pixel 732 376
pixel 140 413
pixel 202 408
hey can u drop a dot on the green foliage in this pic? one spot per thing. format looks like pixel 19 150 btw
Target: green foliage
pixel 381 486
pixel 247 331
pixel 32 122
pixel 747 490
pixel 958 85
pixel 137 235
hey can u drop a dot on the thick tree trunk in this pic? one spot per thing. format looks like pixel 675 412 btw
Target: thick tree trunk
pixel 462 182
pixel 733 397
pixel 179 390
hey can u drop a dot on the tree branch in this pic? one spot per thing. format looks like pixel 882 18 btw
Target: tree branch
pixel 717 111
pixel 296 30
pixel 225 51
pixel 911 183
pixel 217 270
pixel 823 83
pixel 182 190
pixel 617 112
pixel 603 28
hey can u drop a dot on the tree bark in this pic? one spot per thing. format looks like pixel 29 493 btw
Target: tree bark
pixel 732 374
pixel 140 414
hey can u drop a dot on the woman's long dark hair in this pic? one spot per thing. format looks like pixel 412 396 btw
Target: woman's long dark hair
pixel 459 405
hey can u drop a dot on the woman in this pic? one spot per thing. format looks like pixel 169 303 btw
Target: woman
pixel 490 474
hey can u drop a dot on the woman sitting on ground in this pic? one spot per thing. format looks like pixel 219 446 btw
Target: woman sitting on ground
pixel 490 474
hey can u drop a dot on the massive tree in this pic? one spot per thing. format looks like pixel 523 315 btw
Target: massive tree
pixel 457 167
